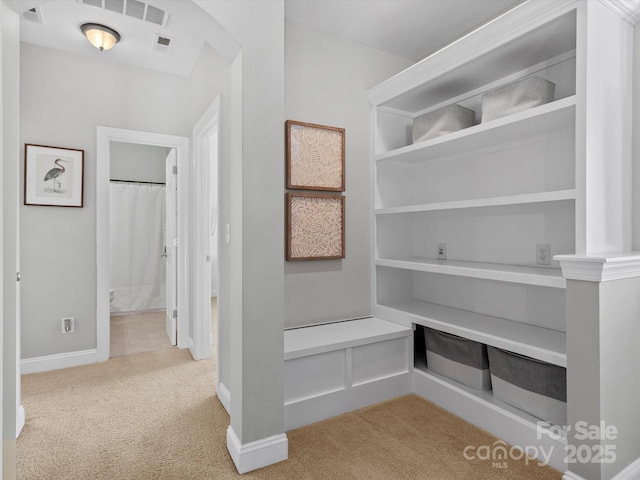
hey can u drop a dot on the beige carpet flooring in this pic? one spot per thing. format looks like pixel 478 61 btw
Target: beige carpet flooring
pixel 154 415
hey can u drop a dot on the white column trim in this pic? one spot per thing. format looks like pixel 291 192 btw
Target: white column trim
pixel 627 9
pixel 632 472
pixel 224 396
pixel 600 268
pixel 261 453
pixel 20 421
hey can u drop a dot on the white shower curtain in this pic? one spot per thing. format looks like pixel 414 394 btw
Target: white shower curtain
pixel 137 241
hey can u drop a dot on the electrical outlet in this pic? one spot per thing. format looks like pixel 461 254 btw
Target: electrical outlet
pixel 68 325
pixel 543 254
pixel 442 251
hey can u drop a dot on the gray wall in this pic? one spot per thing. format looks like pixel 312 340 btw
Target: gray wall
pixel 59 244
pixel 257 223
pixel 10 348
pixel 326 81
pixel 635 186
pixel 143 163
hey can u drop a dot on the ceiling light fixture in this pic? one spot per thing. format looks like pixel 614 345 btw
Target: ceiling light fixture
pixel 100 36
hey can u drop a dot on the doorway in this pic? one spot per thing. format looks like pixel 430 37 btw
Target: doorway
pixel 208 287
pixel 142 262
pixel 176 322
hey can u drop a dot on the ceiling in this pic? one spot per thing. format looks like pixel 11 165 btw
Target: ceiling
pixel 409 28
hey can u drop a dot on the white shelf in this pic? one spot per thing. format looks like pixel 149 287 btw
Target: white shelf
pixel 537 121
pixel 306 341
pixel 484 410
pixel 530 340
pixel 526 198
pixel 540 276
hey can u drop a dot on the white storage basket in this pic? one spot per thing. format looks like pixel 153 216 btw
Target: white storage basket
pixel 442 121
pixel 515 97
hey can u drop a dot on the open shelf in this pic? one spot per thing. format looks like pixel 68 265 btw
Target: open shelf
pixel 530 340
pixel 539 197
pixel 540 276
pixel 545 119
pixel 482 396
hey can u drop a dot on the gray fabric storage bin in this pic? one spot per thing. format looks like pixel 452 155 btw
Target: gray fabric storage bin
pixel 516 97
pixel 537 387
pixel 442 121
pixel 458 358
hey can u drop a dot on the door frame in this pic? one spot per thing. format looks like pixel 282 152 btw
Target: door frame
pixel 200 344
pixel 105 135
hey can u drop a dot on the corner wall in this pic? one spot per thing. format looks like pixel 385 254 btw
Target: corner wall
pixel 10 349
pixel 635 135
pixel 326 78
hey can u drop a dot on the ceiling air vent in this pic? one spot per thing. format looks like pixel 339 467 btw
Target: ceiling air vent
pixel 33 15
pixel 132 8
pixel 163 44
pixel 114 5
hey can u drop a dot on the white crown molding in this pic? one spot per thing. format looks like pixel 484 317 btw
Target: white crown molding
pixel 632 472
pixel 508 26
pixel 261 453
pixel 627 9
pixel 600 268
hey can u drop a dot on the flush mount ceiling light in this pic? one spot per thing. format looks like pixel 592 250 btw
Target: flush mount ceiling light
pixel 100 36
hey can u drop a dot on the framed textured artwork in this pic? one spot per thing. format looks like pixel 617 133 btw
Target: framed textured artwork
pixel 315 156
pixel 53 176
pixel 315 226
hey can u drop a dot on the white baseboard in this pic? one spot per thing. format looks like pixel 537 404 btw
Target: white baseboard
pixel 632 472
pixel 20 420
pixel 571 476
pixel 258 454
pixel 326 405
pixel 224 395
pixel 58 361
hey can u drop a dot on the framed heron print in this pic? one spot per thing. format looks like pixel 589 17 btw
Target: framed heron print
pixel 315 156
pixel 53 176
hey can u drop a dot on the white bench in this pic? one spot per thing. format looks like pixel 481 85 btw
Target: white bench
pixel 339 367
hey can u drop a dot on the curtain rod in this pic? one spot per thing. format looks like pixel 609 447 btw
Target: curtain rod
pixel 138 182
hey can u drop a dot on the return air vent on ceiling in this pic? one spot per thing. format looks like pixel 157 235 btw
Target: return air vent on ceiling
pixel 33 15
pixel 132 8
pixel 163 44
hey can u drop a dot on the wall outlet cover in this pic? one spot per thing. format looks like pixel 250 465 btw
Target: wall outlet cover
pixel 68 325
pixel 442 251
pixel 543 254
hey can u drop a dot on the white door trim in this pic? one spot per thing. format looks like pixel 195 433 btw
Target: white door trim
pixel 105 135
pixel 208 124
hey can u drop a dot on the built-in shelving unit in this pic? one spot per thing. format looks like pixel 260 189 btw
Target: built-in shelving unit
pixel 466 224
pixel 491 194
